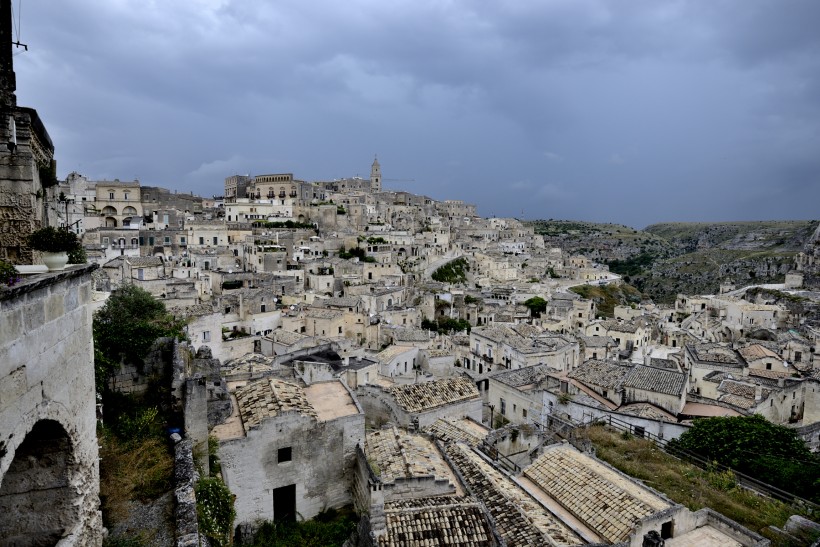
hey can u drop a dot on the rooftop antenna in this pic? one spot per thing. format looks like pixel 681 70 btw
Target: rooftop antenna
pixel 17 26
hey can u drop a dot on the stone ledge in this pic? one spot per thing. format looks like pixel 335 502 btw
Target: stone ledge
pixel 39 281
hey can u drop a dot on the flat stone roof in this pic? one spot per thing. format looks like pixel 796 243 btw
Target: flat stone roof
pixel 330 400
pixel 705 536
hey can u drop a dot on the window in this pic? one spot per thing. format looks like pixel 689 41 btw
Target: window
pixel 202 241
pixel 524 412
pixel 798 356
pixel 167 240
pixel 503 406
pixel 284 454
pixel 206 336
pixel 140 274
pixel 165 219
pixel 105 241
pixel 125 196
pixel 150 240
pixel 263 308
pixel 207 265
pixel 182 240
pixel 768 366
pixel 216 240
pixel 340 330
pixel 110 195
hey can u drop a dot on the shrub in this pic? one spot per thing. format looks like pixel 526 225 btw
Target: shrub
pixel 53 240
pixel 8 273
pixel 215 510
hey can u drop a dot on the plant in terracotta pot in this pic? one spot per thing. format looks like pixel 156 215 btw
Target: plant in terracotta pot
pixel 55 244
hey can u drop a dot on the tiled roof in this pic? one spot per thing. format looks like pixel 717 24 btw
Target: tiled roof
pixel 268 398
pixel 340 302
pixel 757 351
pixel 606 502
pixel 391 352
pixel 655 379
pixel 411 335
pixel 287 337
pixel 737 400
pixel 522 376
pixel 619 326
pixel 670 364
pixel 770 374
pixel 323 313
pixel 519 519
pixel 448 430
pixel 397 454
pixel 714 353
pixel 427 395
pixel 605 374
pixel 452 521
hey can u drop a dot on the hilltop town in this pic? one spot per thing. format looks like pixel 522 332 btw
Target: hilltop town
pixel 344 346
pixel 350 344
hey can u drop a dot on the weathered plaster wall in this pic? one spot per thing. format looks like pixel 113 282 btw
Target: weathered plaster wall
pixel 322 461
pixel 47 373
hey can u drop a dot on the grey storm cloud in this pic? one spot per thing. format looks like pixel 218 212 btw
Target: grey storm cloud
pixel 632 112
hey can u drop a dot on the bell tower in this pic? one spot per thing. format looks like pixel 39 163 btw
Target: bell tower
pixel 375 176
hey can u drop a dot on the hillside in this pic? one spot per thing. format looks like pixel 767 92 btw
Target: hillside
pixel 685 257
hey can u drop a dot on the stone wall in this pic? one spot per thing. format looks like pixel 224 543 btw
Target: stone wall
pixel 322 458
pixel 47 412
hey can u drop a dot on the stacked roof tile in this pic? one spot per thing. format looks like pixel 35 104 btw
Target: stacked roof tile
pixel 449 521
pixel 428 395
pixel 519 519
pixel 608 504
pixel 268 398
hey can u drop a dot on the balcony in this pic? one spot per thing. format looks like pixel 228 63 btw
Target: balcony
pixel 293 194
pixel 281 194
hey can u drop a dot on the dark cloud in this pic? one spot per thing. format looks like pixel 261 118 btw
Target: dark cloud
pixel 633 112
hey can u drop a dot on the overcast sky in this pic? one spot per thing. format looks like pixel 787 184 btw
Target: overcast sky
pixel 619 111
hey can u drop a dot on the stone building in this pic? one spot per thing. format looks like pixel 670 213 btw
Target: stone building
pixel 287 451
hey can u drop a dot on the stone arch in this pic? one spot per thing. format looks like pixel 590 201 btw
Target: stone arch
pixel 39 502
pixel 110 222
pixel 130 211
pixel 109 211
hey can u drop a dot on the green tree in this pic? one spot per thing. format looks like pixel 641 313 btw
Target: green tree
pixel 126 327
pixel 752 445
pixel 537 305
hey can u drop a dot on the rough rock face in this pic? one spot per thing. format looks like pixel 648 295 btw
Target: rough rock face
pixel 219 402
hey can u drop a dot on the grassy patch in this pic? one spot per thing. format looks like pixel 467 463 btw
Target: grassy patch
pixel 137 470
pixel 606 297
pixel 686 484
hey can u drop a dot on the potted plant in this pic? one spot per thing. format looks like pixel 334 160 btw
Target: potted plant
pixel 55 244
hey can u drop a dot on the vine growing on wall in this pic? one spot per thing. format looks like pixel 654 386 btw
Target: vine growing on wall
pixel 215 510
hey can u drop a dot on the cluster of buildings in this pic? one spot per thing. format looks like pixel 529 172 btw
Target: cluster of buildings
pixel 343 379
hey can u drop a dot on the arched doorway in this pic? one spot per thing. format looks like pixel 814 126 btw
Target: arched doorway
pixel 38 505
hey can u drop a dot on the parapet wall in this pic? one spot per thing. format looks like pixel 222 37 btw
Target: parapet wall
pixel 47 410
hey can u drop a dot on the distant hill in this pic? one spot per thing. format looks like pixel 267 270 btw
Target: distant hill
pixel 685 257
